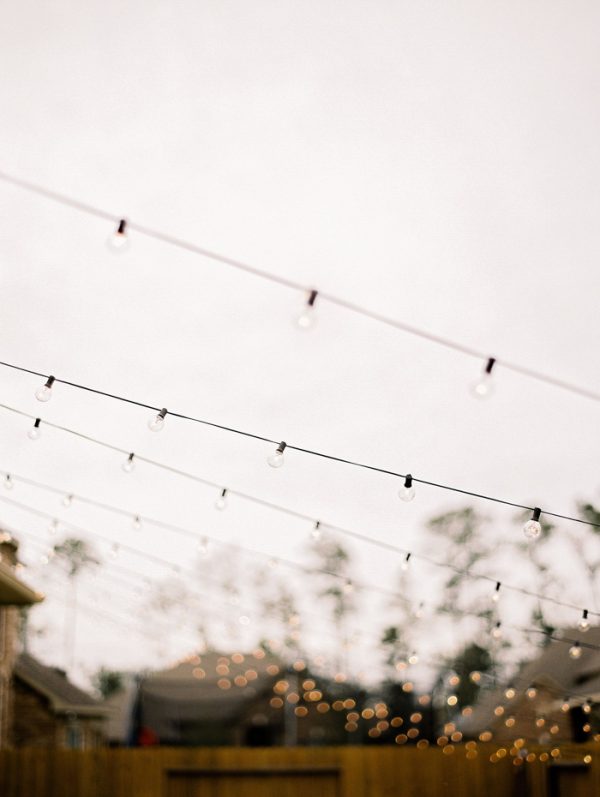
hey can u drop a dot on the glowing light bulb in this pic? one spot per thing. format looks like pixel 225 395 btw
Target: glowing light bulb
pixel 497 630
pixel 575 651
pixel 307 318
pixel 8 482
pixel 68 500
pixel 157 423
pixel 532 529
pixel 35 431
pixel 413 659
pixel 129 463
pixel 407 491
pixel 406 563
pixel 584 624
pixel 221 502
pixel 587 707
pixel 136 523
pixel 118 241
pixel 316 533
pixel 484 387
pixel 276 460
pixel 531 692
pixel 496 593
pixel 418 613
pixel 44 393
pixel 566 706
pixel 348 587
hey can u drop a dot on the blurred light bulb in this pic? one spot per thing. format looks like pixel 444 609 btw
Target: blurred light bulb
pixel 316 531
pixel 137 522
pixel 307 318
pixel 276 460
pixel 413 659
pixel 118 241
pixel 35 431
pixel 531 692
pixel 8 482
pixel 221 502
pixel 584 624
pixel 68 500
pixel 484 387
pixel 129 463
pixel 566 706
pixel 532 529
pixel 53 528
pixel 587 707
pixel 418 612
pixel 348 587
pixel 496 593
pixel 497 630
pixel 157 423
pixel 244 619
pixel 407 491
pixel 114 551
pixel 44 393
pixel 202 546
pixel 406 563
pixel 575 651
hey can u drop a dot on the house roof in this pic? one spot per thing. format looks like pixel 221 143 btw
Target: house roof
pixel 554 672
pixel 52 683
pixel 14 592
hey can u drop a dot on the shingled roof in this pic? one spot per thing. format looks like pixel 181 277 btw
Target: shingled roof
pixel 52 683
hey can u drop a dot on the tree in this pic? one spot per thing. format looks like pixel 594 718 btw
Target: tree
pixel 107 682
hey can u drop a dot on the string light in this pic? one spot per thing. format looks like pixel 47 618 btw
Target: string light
pixel 316 532
pixel 575 651
pixel 407 491
pixel 485 386
pixel 8 482
pixel 118 241
pixel 532 529
pixel 44 393
pixel 114 551
pixel 276 460
pixel 348 586
pixel 68 500
pixel 406 563
pixel 584 624
pixel 156 424
pixel 497 630
pixel 307 317
pixel 35 431
pixel 221 502
pixel 53 527
pixel 136 522
pixel 129 463
pixel 587 707
pixel 496 593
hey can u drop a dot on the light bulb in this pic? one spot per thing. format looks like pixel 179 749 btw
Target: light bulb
pixel 307 317
pixel 484 387
pixel 406 563
pixel 531 692
pixel 35 431
pixel 586 707
pixel 53 528
pixel 276 460
pixel 418 613
pixel 129 463
pixel 8 482
pixel 118 241
pixel 496 593
pixel 413 659
pixel 157 423
pixel 114 551
pixel 566 706
pixel 316 531
pixel 137 522
pixel 532 529
pixel 348 587
pixel 202 546
pixel 221 502
pixel 584 624
pixel 407 491
pixel 67 500
pixel 575 651
pixel 44 393
pixel 497 631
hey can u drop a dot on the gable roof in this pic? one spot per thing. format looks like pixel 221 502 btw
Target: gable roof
pixel 52 683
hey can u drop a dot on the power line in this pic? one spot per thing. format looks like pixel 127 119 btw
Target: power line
pixel 323 525
pixel 263 274
pixel 286 446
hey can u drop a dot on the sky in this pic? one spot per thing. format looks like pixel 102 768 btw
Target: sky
pixel 436 163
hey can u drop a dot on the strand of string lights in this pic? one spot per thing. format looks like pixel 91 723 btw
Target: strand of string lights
pixel 532 528
pixel 306 318
pixel 69 497
pixel 577 645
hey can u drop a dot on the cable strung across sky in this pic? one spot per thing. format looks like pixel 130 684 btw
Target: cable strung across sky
pixel 532 527
pixel 120 240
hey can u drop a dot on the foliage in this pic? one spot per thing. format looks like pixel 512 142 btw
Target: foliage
pixel 107 682
pixel 77 555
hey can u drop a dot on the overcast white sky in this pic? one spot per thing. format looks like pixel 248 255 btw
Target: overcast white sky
pixel 436 162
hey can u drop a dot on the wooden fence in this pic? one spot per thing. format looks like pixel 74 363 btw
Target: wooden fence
pixel 293 772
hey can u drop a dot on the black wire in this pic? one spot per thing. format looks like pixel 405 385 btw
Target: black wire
pixel 291 447
pixel 294 285
pixel 290 512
